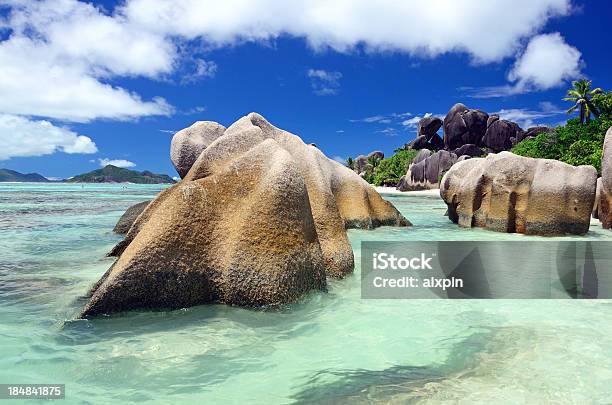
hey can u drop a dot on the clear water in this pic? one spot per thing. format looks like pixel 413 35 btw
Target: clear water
pixel 328 348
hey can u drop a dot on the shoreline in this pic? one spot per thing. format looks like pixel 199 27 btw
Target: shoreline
pixel 392 190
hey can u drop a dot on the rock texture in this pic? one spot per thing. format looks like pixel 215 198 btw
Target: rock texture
pixel 429 126
pixel 605 197
pixel 470 150
pixel 426 169
pixel 464 126
pixel 129 217
pixel 188 144
pixel 259 220
pixel 376 154
pixel 509 193
pixel 499 135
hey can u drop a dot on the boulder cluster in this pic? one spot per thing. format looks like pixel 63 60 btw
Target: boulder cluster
pixel 468 133
pixel 258 219
pixel 509 193
pixel 364 164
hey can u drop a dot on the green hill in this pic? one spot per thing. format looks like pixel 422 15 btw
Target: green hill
pixel 11 175
pixel 113 174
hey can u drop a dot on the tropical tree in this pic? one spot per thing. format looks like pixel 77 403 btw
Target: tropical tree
pixel 581 96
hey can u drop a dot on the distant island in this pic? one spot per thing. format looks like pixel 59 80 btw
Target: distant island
pixel 114 174
pixel 108 174
pixel 7 175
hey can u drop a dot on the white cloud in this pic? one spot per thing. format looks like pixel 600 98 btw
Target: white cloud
pixel 389 131
pixel 116 162
pixel 20 137
pixel 414 121
pixel 60 54
pixel 375 118
pixel 203 69
pixel 547 62
pixel 323 82
pixel 422 28
pixel 527 118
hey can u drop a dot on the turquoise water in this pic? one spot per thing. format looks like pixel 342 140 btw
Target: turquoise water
pixel 328 348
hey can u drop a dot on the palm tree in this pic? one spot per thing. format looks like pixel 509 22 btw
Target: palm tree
pixel 581 95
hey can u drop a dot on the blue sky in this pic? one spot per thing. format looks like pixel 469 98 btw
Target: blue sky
pixel 82 84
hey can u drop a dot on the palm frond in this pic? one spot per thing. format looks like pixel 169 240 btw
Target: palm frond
pixel 571 110
pixel 596 91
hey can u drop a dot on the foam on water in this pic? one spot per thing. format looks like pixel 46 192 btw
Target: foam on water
pixel 329 347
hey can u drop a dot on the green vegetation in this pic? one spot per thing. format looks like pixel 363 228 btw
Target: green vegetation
pixel 389 170
pixel 350 163
pixel 581 95
pixel 113 174
pixel 580 141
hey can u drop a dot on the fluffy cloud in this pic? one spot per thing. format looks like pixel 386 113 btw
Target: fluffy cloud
pixel 116 162
pixel 546 63
pixel 22 137
pixel 427 28
pixel 59 54
pixel 324 83
pixel 59 57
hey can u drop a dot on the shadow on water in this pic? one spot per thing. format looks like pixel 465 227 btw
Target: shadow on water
pixel 409 384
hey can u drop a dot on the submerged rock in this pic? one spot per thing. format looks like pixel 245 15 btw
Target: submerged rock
pixel 129 216
pixel 188 144
pixel 509 193
pixel 605 198
pixel 259 220
pixel 596 206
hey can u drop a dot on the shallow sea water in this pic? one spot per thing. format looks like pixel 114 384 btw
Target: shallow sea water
pixel 328 348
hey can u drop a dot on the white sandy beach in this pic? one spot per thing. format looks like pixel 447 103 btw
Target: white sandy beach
pixel 393 190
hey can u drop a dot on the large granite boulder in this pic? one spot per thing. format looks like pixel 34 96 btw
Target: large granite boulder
pixel 426 169
pixel 605 198
pixel 187 144
pixel 509 193
pixel 419 143
pixel 360 163
pixel 129 216
pixel 464 126
pixel 429 126
pixel 376 155
pixel 500 134
pixel 435 142
pixel 596 206
pixel 492 119
pixel 259 220
pixel 470 150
